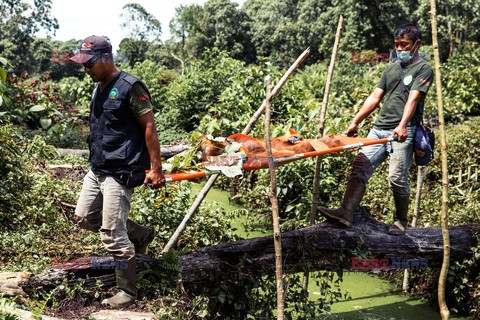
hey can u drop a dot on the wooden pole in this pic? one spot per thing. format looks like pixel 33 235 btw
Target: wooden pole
pixel 201 196
pixel 273 199
pixel 321 125
pixel 183 225
pixel 421 174
pixel 444 312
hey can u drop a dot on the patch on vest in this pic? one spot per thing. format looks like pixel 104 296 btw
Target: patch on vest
pixel 407 80
pixel 113 93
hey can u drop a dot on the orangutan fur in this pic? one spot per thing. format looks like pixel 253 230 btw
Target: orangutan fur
pixel 212 148
pixel 286 145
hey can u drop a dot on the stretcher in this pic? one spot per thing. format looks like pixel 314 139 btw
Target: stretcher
pixel 251 161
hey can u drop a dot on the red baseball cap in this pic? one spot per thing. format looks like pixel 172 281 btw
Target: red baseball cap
pixel 93 48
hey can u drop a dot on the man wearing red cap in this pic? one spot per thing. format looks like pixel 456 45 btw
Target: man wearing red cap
pixel 123 144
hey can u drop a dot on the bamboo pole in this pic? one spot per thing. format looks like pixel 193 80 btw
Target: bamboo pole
pixel 277 241
pixel 183 225
pixel 421 174
pixel 444 312
pixel 201 196
pixel 321 125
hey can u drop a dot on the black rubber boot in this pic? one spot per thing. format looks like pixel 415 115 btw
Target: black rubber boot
pixel 139 236
pixel 400 218
pixel 125 274
pixel 351 199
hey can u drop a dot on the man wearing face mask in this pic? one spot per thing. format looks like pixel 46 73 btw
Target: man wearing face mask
pixel 404 84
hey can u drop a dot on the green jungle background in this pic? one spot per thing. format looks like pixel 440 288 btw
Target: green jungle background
pixel 209 79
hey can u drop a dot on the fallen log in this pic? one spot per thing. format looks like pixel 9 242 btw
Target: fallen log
pixel 167 151
pixel 11 282
pixel 319 245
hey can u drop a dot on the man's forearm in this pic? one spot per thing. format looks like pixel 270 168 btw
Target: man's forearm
pixel 368 106
pixel 153 147
pixel 151 139
pixel 407 113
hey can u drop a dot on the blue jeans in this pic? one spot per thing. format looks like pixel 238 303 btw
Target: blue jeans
pixel 401 157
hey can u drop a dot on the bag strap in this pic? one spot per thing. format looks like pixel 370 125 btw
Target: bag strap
pixel 405 90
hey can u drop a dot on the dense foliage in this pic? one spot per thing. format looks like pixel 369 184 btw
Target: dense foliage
pixel 277 29
pixel 209 79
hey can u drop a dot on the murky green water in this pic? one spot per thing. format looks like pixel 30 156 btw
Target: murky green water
pixel 372 298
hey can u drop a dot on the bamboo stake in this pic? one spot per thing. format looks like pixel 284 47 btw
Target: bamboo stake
pixel 421 174
pixel 321 126
pixel 444 312
pixel 201 196
pixel 273 199
pixel 183 225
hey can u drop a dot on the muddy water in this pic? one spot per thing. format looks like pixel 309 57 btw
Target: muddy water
pixel 372 298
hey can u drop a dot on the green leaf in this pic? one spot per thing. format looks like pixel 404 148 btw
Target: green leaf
pixel 3 74
pixel 221 297
pixel 45 122
pixel 37 108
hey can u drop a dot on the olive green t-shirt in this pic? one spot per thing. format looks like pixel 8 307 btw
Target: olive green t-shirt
pixel 139 100
pixel 417 76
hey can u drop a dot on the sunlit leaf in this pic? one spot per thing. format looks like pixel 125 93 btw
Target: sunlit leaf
pixel 45 122
pixel 37 108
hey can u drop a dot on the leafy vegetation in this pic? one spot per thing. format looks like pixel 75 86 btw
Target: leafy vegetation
pixel 209 79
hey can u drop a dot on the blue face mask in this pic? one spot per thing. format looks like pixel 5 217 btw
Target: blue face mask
pixel 405 56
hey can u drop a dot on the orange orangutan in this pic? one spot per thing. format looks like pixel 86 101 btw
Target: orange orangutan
pixel 287 145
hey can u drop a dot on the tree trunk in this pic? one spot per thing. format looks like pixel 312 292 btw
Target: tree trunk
pixel 421 175
pixel 167 151
pixel 320 245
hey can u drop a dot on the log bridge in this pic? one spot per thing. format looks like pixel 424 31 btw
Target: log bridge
pixel 319 245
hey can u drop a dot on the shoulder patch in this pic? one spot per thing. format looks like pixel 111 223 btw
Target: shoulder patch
pixel 425 81
pixel 407 80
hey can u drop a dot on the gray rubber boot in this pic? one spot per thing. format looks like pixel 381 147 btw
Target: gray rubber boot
pixel 351 199
pixel 400 218
pixel 125 274
pixel 139 236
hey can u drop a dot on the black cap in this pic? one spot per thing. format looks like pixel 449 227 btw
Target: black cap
pixel 93 48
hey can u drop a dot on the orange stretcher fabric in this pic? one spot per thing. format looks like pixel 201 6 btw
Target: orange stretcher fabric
pixel 310 147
